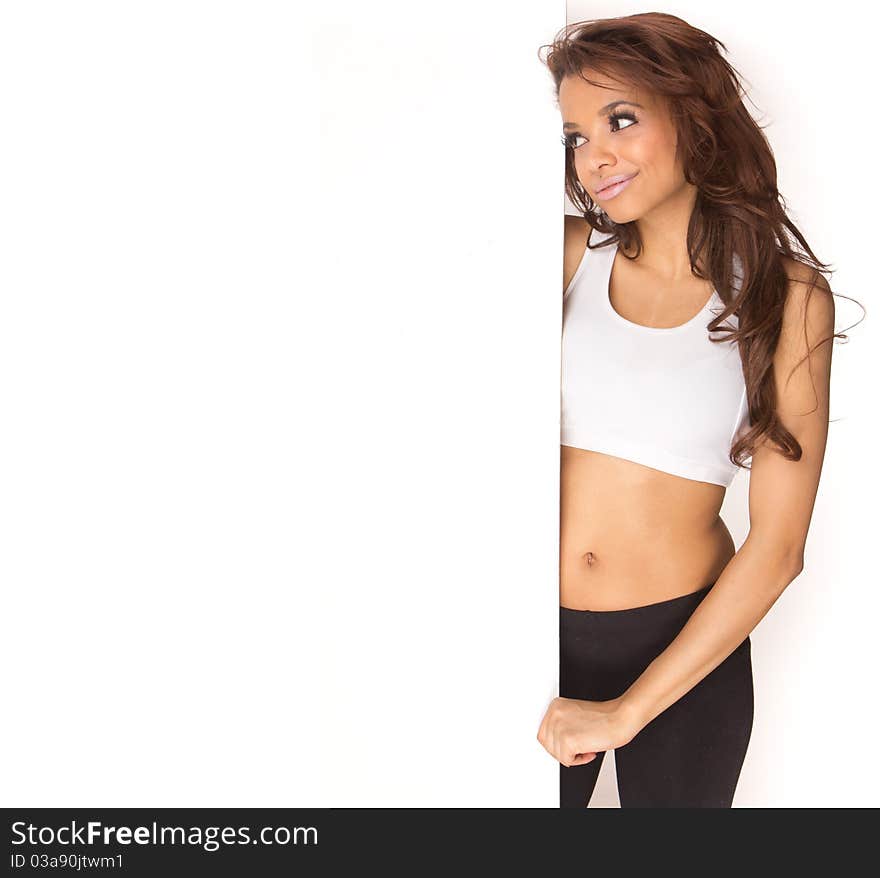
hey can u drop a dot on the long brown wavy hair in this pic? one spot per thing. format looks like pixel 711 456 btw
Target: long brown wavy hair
pixel 739 213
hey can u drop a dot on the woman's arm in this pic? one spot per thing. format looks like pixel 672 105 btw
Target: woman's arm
pixel 782 494
pixel 781 498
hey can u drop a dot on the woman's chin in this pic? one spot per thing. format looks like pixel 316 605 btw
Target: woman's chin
pixel 621 216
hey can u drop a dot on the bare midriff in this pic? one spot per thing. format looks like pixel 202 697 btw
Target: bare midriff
pixel 631 535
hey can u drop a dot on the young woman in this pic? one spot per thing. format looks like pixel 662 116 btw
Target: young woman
pixel 694 339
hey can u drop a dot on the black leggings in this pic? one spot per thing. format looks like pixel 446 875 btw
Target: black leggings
pixel 691 754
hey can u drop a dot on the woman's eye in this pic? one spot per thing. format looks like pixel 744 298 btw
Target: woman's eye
pixel 624 117
pixel 570 140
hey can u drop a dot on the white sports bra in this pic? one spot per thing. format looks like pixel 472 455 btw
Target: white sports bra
pixel 667 398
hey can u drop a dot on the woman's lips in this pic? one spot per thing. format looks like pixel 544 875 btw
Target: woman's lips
pixel 614 189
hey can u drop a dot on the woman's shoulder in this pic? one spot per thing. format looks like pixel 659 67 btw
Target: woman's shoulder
pixel 577 234
pixel 577 231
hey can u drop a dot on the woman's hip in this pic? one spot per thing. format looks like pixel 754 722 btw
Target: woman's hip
pixel 602 652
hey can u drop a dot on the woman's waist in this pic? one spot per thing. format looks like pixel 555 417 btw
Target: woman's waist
pixel 637 535
pixel 614 564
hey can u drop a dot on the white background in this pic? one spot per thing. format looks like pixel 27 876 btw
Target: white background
pixel 279 365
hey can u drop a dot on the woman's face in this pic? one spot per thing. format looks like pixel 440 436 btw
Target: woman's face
pixel 616 131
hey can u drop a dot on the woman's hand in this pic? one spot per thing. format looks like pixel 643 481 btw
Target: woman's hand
pixel 574 731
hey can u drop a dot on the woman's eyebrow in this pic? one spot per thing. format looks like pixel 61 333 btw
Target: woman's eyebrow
pixel 606 109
